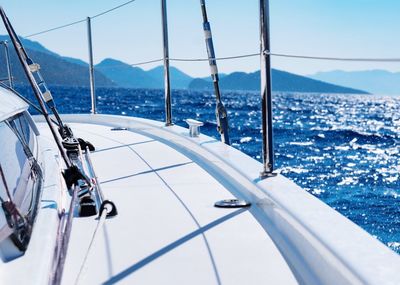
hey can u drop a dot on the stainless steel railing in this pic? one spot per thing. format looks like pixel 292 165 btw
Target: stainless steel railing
pixel 167 87
pixel 91 68
pixel 266 92
pixel 265 55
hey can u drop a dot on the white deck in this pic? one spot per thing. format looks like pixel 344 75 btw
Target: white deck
pixel 167 230
pixel 165 183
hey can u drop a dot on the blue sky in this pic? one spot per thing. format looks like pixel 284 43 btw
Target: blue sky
pixel 352 28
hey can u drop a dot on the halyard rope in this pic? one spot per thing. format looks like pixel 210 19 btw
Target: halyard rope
pixel 100 224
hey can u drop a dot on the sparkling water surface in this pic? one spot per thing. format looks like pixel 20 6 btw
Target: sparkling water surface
pixel 343 149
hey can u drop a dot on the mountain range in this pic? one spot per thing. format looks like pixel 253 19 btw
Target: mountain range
pixel 374 81
pixel 56 70
pixel 125 75
pixel 281 81
pixel 65 71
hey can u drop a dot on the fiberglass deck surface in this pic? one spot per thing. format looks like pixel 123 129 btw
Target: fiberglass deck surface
pixel 167 230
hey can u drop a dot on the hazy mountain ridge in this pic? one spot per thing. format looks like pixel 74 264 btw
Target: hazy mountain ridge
pixel 281 81
pixel 179 79
pixel 374 81
pixel 67 71
pixel 124 75
pixel 55 69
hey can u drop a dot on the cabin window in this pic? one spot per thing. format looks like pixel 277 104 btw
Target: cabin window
pixel 18 140
pixel 13 159
pixel 21 124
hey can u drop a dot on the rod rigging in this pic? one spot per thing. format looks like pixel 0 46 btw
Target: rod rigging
pixel 220 111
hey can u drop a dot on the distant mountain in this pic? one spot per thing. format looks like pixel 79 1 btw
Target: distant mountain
pixel 281 81
pixel 179 79
pixel 55 69
pixel 209 78
pixel 59 70
pixel 125 75
pixel 28 44
pixel 35 46
pixel 373 81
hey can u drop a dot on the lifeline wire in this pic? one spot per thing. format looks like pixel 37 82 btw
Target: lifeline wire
pixel 335 58
pixel 215 58
pixel 136 64
pixel 356 59
pixel 293 56
pixel 79 21
pixel 187 60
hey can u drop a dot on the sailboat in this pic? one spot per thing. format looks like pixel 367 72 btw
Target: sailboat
pixel 105 199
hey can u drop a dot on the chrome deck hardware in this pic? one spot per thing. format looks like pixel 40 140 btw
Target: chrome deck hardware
pixel 194 127
pixel 232 203
pixel 119 129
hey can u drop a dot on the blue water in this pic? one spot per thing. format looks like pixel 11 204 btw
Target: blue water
pixel 344 149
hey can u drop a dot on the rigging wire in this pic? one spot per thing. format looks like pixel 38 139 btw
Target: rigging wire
pixel 186 60
pixel 146 62
pixel 356 59
pixel 134 64
pixel 112 9
pixel 359 59
pixel 215 58
pixel 79 21
pixel 292 56
pixel 55 28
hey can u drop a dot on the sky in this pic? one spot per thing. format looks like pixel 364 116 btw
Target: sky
pixel 337 28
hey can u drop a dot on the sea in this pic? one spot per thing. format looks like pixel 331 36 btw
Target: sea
pixel 341 148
